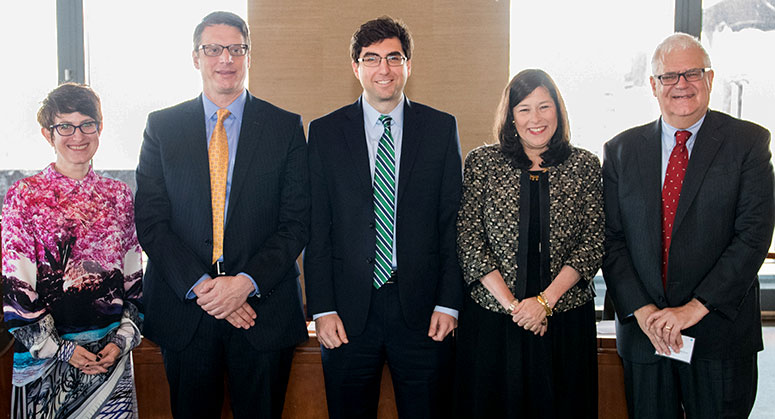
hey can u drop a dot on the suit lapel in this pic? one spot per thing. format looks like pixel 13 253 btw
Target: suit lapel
pixel 250 139
pixel 649 151
pixel 355 142
pixel 706 145
pixel 194 150
pixel 410 144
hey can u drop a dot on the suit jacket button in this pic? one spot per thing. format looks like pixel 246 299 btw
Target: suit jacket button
pixel 209 242
pixel 371 225
pixel 370 260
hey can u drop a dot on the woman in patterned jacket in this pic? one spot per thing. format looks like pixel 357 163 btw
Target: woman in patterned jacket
pixel 530 240
pixel 71 274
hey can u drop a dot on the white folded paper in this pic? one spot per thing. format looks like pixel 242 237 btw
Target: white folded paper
pixel 685 355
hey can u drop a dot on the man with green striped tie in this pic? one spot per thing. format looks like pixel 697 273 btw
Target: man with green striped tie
pixel 382 279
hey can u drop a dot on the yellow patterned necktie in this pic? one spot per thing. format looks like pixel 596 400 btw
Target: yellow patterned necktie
pixel 218 153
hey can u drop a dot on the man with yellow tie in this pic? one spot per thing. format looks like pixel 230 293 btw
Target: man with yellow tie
pixel 222 210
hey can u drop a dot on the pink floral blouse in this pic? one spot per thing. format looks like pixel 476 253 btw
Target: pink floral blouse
pixel 71 267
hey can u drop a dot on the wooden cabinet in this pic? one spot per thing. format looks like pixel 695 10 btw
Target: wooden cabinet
pixel 306 396
pixel 6 358
pixel 611 401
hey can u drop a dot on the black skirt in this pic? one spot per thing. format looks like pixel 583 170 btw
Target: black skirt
pixel 504 371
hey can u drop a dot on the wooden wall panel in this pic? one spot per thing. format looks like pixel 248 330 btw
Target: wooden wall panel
pixel 300 56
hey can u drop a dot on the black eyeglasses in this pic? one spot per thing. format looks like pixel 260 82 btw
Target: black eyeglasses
pixel 215 50
pixel 694 74
pixel 66 130
pixel 376 60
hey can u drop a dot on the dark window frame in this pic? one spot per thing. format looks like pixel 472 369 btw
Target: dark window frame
pixel 70 45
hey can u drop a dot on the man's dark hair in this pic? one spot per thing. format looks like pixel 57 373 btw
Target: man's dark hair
pixel 505 130
pixel 221 18
pixel 376 30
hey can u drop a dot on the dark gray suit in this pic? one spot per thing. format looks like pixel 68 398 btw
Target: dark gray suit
pixel 722 230
pixel 266 226
pixel 339 260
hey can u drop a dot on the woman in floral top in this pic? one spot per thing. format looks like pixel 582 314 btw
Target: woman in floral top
pixel 71 274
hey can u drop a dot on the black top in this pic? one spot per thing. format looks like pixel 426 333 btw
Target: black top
pixel 533 286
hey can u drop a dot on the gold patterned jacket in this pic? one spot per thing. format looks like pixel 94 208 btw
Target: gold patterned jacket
pixel 488 223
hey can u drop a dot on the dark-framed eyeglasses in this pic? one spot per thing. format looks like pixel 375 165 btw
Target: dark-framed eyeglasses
pixel 395 60
pixel 66 130
pixel 694 74
pixel 215 50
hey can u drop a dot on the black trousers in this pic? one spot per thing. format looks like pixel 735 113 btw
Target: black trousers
pixel 703 389
pixel 420 367
pixel 257 381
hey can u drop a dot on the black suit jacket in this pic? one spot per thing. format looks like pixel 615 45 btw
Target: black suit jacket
pixel 339 260
pixel 722 230
pixel 266 224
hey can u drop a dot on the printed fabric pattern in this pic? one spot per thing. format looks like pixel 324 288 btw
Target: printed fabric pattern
pixel 71 274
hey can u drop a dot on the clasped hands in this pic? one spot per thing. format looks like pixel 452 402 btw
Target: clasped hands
pixel 663 327
pixel 225 297
pixel 90 363
pixel 531 316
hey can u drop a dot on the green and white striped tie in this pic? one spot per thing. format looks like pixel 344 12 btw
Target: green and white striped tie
pixel 384 203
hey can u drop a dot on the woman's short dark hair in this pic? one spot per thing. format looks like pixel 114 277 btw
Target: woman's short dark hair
pixel 221 18
pixel 69 98
pixel 379 29
pixel 521 86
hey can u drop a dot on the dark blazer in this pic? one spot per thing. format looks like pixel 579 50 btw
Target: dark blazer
pixel 722 230
pixel 266 224
pixel 339 259
pixel 494 211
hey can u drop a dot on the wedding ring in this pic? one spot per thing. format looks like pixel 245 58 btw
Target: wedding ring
pixel 543 322
pixel 668 328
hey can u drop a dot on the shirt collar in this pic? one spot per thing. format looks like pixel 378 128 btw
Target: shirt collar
pixel 371 115
pixel 670 131
pixel 66 184
pixel 237 107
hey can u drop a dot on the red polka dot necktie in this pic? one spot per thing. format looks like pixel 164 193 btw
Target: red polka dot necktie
pixel 671 190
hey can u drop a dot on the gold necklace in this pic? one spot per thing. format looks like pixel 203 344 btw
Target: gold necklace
pixel 535 178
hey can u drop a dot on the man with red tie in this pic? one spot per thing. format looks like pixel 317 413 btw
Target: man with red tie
pixel 689 218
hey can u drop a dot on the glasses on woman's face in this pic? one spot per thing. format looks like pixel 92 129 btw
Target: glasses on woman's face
pixel 66 130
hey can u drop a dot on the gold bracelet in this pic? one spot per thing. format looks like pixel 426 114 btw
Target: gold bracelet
pixel 541 299
pixel 512 305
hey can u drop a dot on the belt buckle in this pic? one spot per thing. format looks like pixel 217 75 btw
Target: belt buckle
pixel 219 269
pixel 393 278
